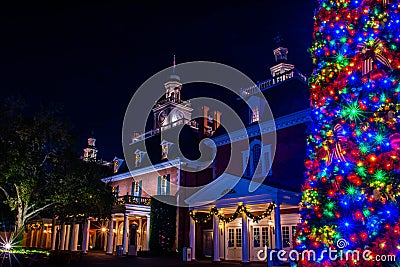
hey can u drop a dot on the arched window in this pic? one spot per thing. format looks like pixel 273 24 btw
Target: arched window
pixel 257 160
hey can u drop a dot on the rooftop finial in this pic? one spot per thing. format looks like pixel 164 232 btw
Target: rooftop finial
pixel 174 64
pixel 278 40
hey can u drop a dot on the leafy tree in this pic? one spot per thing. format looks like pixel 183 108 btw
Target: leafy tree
pixel 30 148
pixel 163 226
pixel 80 190
pixel 39 169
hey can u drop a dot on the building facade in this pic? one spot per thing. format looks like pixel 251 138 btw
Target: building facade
pixel 227 235
pixel 241 221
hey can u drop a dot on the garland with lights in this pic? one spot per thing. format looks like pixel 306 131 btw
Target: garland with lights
pixel 240 209
pixel 353 157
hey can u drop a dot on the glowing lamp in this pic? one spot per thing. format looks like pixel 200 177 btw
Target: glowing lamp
pixel 7 246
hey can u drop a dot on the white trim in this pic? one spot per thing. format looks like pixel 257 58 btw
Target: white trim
pixel 262 128
pixel 144 170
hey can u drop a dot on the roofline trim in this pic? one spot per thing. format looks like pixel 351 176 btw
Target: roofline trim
pixel 145 170
pixel 263 128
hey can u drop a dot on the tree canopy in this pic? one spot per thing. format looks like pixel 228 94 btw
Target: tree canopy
pixel 40 171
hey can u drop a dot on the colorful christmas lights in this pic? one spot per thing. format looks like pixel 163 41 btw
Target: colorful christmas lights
pixel 352 188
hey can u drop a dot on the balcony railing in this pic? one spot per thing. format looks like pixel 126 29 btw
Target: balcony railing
pixel 289 75
pixel 138 138
pixel 128 199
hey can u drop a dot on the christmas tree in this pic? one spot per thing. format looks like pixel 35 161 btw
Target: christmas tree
pixel 353 160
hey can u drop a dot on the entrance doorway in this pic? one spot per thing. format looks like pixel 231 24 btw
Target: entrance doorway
pixel 260 238
pixel 207 243
pixel 234 242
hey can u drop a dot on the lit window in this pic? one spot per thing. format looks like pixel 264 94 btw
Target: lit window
pixel 256 237
pixel 136 189
pixel 238 237
pixel 165 145
pixel 231 237
pixel 255 114
pixel 265 237
pixel 163 185
pixel 285 236
pixel 164 153
pixel 115 190
pixel 139 155
pixel 137 160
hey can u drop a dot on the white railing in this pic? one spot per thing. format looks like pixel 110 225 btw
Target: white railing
pixel 292 74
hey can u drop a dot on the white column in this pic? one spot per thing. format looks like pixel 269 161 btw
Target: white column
pixel 110 236
pixel 75 240
pixel 148 232
pixel 67 236
pixel 245 239
pixel 139 230
pixel 62 236
pixel 31 240
pixel 41 237
pixel 85 236
pixel 278 229
pixel 73 237
pixel 216 237
pixel 192 237
pixel 53 234
pixel 125 233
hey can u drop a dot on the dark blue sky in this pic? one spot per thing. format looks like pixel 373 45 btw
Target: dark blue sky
pixel 90 58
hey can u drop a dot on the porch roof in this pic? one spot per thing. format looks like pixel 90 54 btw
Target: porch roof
pixel 228 190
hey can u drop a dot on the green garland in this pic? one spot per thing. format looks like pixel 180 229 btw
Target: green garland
pixel 240 209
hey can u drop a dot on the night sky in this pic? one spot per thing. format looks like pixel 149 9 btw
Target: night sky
pixel 90 58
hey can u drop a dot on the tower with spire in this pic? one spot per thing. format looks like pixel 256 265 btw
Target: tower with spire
pixel 90 152
pixel 172 111
pixel 281 57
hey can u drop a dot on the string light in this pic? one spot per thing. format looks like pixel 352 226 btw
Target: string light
pixel 240 209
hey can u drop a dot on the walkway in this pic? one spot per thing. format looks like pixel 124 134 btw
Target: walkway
pixel 100 259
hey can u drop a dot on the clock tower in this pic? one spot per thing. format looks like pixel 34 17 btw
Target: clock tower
pixel 172 110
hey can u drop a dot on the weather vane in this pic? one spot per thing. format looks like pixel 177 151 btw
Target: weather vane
pixel 278 39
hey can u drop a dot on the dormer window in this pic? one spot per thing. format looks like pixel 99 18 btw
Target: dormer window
pixel 117 164
pixel 165 145
pixel 138 160
pixel 255 114
pixel 139 157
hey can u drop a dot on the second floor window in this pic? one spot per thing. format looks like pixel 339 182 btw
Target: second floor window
pixel 115 190
pixel 255 154
pixel 136 189
pixel 163 185
pixel 257 160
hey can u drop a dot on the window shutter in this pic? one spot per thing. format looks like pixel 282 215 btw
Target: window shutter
pixel 133 189
pixel 159 185
pixel 168 184
pixel 140 188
